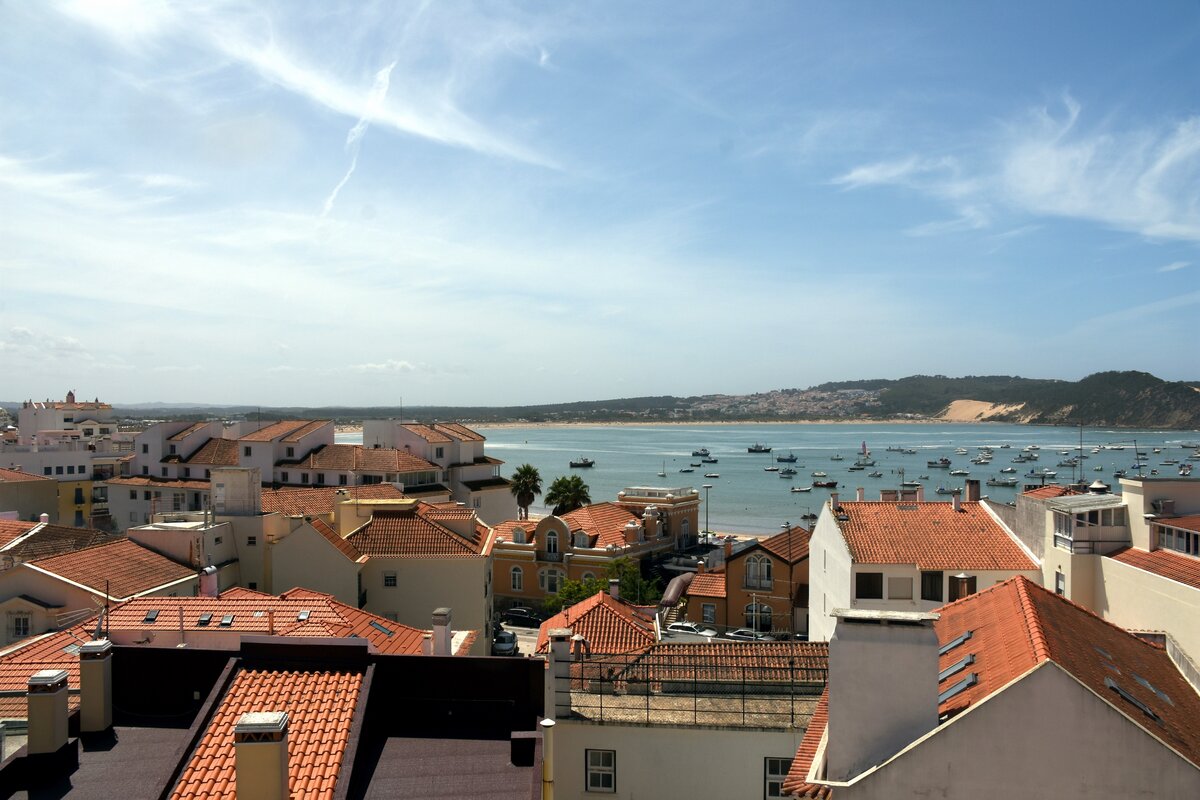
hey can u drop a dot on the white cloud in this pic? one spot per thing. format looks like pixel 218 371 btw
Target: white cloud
pixel 391 365
pixel 903 172
pixel 1174 266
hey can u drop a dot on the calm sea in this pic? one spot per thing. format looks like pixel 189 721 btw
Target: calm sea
pixel 746 498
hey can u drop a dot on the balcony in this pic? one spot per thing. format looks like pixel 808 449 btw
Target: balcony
pixel 546 555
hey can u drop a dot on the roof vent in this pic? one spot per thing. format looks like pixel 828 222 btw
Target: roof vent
pixel 151 615
pixel 303 615
pixel 205 618
pixel 953 643
pixel 1133 701
pixel 382 629
pixel 227 621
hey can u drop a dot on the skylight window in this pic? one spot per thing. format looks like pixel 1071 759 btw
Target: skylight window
pixel 959 687
pixel 1103 652
pixel 71 649
pixel 151 615
pixel 259 613
pixel 381 628
pixel 303 615
pixel 227 620
pixel 1133 701
pixel 957 667
pixel 1151 687
pixel 205 618
pixel 948 646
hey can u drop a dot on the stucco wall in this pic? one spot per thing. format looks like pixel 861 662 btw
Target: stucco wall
pixel 307 559
pixel 828 576
pixel 670 762
pixel 424 584
pixel 31 499
pixel 1140 600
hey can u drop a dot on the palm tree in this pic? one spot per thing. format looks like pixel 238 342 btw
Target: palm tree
pixel 526 485
pixel 568 493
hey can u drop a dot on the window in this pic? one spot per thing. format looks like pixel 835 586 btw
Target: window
pixel 517 579
pixel 439 452
pixel 551 541
pixel 133 494
pixel 145 449
pixel 304 477
pixel 1060 583
pixel 104 431
pixel 758 617
pixel 164 472
pixel 389 579
pixel 931 586
pixel 88 431
pixel 59 470
pixel 78 518
pixel 758 572
pixel 145 470
pixel 80 470
pixel 47 471
pixel 207 474
pixel 251 541
pixel 477 502
pixel 961 586
pixel 550 580
pixel 283 476
pixel 70 469
pixel 172 449
pixel 588 576
pixel 78 494
pixel 601 770
pixel 1180 541
pixel 320 479
pixel 685 528
pixel 900 588
pixel 146 495
pixel 868 586
pixel 774 771
pixel 291 451
pixel 246 451
pixel 20 627
pixel 217 540
pixel 341 480
pixel 708 613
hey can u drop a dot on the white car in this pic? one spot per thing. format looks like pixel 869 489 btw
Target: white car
pixel 749 634
pixel 691 627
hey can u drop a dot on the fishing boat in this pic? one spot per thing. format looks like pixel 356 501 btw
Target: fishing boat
pixel 819 474
pixel 801 488
pixel 1001 481
pixel 941 463
pixel 960 472
pixel 770 469
pixel 758 448
pixel 960 451
pixel 712 474
pixel 790 458
pixel 911 484
pixel 703 451
pixel 875 474
pixel 787 472
pixel 836 457
pixel 1009 469
pixel 709 460
pixel 856 468
pixel 944 490
pixel 825 484
pixel 582 462
pixel 864 462
pixel 1040 473
pixel 694 464
pixel 688 469
pixel 922 477
pixel 1119 473
pixel 894 450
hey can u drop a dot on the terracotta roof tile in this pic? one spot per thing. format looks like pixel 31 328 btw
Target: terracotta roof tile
pixel 767 662
pixel 791 545
pixel 796 782
pixel 428 434
pixel 608 624
pixel 297 501
pixel 347 549
pixel 217 453
pixel 710 584
pixel 603 522
pixel 1165 563
pixel 1188 523
pixel 50 540
pixel 458 431
pixel 1051 491
pixel 289 430
pixel 9 475
pixel 407 532
pixel 931 536
pixel 186 432
pixel 52 651
pixel 320 707
pixel 346 457
pixel 127 568
pixel 158 483
pixel 11 529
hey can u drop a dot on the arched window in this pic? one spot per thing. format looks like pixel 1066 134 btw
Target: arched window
pixel 551 541
pixel 758 572
pixel 518 579
pixel 758 617
pixel 587 576
pixel 550 580
pixel 685 528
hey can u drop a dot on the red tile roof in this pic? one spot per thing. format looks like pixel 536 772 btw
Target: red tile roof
pixel 407 532
pixel 609 625
pixel 603 522
pixel 186 432
pixel 791 545
pixel 9 475
pixel 50 540
pixel 347 457
pixel 784 662
pixel 458 431
pixel 320 707
pixel 217 453
pixel 1165 563
pixel 710 584
pixel 931 536
pixel 347 549
pixel 1017 625
pixel 289 430
pixel 1188 523
pixel 427 433
pixel 52 651
pixel 1051 491
pixel 296 501
pixel 796 782
pixel 159 483
pixel 128 568
pixel 11 529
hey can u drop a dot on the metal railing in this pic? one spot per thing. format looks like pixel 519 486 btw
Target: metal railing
pixel 771 690
pixel 546 555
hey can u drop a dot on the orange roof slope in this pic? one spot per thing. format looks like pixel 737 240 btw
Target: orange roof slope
pixel 347 549
pixel 50 540
pixel 458 431
pixel 11 529
pixel 1051 491
pixel 216 452
pixel 427 433
pixel 1016 625
pixel 125 566
pixel 289 430
pixel 54 651
pixel 358 458
pixel 608 624
pixel 186 432
pixel 295 501
pixel 796 782
pixel 9 475
pixel 930 535
pixel 603 522
pixel 320 706
pixel 409 533
pixel 710 584
pixel 1188 523
pixel 791 545
pixel 1164 563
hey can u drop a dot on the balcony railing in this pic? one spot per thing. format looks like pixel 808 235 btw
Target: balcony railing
pixel 546 555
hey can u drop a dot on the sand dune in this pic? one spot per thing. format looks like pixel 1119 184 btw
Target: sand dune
pixel 976 410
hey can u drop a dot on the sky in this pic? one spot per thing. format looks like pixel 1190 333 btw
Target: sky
pixel 492 204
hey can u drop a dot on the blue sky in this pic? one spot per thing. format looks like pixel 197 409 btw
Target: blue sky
pixel 494 204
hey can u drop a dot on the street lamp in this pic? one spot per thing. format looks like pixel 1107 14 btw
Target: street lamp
pixel 706 487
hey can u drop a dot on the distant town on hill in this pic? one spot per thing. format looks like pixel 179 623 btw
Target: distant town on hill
pixel 1107 399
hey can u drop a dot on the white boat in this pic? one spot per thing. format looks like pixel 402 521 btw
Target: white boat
pixel 960 472
pixel 1009 469
pixel 960 451
pixel 875 474
pixel 836 457
pixel 712 474
pixel 688 469
pixel 819 474
pixel 801 488
pixel 787 472
pixel 770 469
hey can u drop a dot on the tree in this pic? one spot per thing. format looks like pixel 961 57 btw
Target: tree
pixel 634 588
pixel 526 485
pixel 567 493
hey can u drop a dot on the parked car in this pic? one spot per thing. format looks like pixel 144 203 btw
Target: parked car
pixel 505 644
pixel 691 627
pixel 749 635
pixel 522 617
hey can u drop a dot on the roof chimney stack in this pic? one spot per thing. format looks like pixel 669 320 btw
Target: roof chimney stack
pixel 441 632
pixel 956 500
pixel 44 518
pixel 860 494
pixel 210 585
pixel 973 490
pixel 47 698
pixel 833 501
pixel 95 686
pixel 921 493
pixel 614 588
pixel 260 745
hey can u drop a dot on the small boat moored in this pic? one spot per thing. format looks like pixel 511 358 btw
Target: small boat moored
pixel 582 462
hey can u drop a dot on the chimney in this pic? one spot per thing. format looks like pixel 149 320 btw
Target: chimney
pixel 833 501
pixel 956 501
pixel 209 582
pixel 890 495
pixel 728 550
pixel 44 518
pixel 973 490
pixel 47 700
pixel 95 686
pixel 652 521
pixel 558 687
pixel 260 746
pixel 700 566
pixel 614 588
pixel 860 494
pixel 921 493
pixel 883 687
pixel 441 632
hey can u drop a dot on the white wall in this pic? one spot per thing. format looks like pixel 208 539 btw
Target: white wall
pixel 829 582
pixel 1138 600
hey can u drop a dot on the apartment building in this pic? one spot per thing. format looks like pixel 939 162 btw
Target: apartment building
pixel 26 496
pixel 80 418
